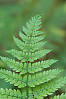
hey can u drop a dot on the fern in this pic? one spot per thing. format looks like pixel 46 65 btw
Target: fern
pixel 62 96
pixel 33 82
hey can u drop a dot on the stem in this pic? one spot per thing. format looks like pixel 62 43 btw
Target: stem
pixel 27 79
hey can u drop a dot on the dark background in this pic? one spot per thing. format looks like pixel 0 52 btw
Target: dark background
pixel 15 13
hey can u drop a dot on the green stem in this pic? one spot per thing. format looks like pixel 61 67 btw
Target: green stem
pixel 27 79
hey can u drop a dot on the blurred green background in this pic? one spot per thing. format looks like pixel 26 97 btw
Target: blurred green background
pixel 15 13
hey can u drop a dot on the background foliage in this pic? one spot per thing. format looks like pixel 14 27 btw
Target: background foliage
pixel 15 13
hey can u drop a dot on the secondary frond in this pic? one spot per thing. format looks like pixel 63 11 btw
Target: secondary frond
pixel 13 78
pixel 28 47
pixel 62 96
pixel 38 54
pixel 38 66
pixel 42 77
pixel 49 87
pixel 31 40
pixel 17 66
pixel 18 54
pixel 32 33
pixel 10 94
pixel 28 56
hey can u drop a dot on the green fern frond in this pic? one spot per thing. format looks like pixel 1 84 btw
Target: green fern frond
pixel 37 79
pixel 49 87
pixel 10 94
pixel 32 26
pixel 28 56
pixel 38 66
pixel 20 67
pixel 28 47
pixel 38 54
pixel 33 82
pixel 18 54
pixel 31 39
pixel 17 66
pixel 13 78
pixel 62 96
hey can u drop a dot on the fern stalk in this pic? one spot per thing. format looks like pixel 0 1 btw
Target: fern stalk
pixel 27 79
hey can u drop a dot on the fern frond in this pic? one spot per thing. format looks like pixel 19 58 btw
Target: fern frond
pixel 34 83
pixel 13 78
pixel 28 47
pixel 32 33
pixel 18 54
pixel 38 78
pixel 33 26
pixel 22 68
pixel 31 39
pixel 62 96
pixel 38 66
pixel 28 56
pixel 38 54
pixel 49 87
pixel 10 94
pixel 17 66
